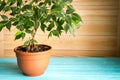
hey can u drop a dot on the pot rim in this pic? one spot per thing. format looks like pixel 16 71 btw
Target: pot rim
pixel 40 52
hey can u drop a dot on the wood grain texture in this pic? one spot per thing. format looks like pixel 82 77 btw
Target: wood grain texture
pixel 71 43
pixel 1 44
pixel 66 69
pixel 72 53
pixel 96 37
pixel 118 34
pixel 96 2
pixel 91 28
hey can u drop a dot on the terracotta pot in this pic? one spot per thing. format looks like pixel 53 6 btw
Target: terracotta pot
pixel 33 64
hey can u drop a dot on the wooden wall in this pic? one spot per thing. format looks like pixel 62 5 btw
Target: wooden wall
pixel 96 37
pixel 118 47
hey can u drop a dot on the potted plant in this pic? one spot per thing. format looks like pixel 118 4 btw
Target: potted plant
pixel 53 16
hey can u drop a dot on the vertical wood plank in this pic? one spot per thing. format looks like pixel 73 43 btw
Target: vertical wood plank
pixel 2 44
pixel 118 40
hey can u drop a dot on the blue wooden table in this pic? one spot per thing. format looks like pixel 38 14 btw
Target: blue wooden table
pixel 66 69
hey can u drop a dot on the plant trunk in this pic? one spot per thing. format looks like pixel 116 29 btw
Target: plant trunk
pixel 32 46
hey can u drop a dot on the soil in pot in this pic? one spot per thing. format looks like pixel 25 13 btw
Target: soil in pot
pixel 37 48
pixel 33 63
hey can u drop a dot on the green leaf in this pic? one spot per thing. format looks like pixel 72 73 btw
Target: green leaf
pixel 71 29
pixel 35 41
pixel 18 35
pixel 57 14
pixel 51 25
pixel 29 23
pixel 54 1
pixel 23 35
pixel 70 9
pixel 43 26
pixel 56 33
pixel 44 9
pixel 26 7
pixel 14 11
pixel 59 31
pixel 56 8
pixel 6 8
pixel 36 1
pixel 4 17
pixel 28 31
pixel 1 26
pixel 11 2
pixel 78 25
pixel 27 14
pixel 20 27
pixel 15 23
pixel 68 20
pixel 59 27
pixel 41 3
pixel 66 28
pixel 19 2
pixel 36 14
pixel 27 42
pixel 76 18
pixel 50 34
pixel 48 18
pixel 60 22
pixel 36 25
pixel 2 5
pixel 54 17
pixel 68 1
pixel 3 22
pixel 13 19
pixel 49 2
pixel 42 19
pixel 8 25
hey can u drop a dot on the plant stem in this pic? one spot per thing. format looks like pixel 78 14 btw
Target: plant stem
pixel 32 45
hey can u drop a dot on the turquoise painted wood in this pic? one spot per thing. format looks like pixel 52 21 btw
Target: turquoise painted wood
pixel 66 69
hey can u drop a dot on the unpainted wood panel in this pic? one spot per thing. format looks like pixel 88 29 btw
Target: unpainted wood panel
pixel 90 28
pixel 118 33
pixel 98 15
pixel 72 53
pixel 83 53
pixel 70 42
pixel 99 7
pixel 96 2
pixel 1 44
pixel 96 37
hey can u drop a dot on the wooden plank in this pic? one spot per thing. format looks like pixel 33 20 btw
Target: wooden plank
pixel 98 14
pixel 118 34
pixel 73 53
pixel 1 44
pixel 70 42
pixel 96 2
pixel 98 7
pixel 83 53
pixel 97 28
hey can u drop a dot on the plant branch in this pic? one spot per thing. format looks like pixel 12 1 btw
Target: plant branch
pixel 32 45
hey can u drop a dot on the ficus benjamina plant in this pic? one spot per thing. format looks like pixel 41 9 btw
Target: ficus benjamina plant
pixel 53 16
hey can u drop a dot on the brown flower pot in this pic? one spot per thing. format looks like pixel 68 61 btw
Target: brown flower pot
pixel 33 64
